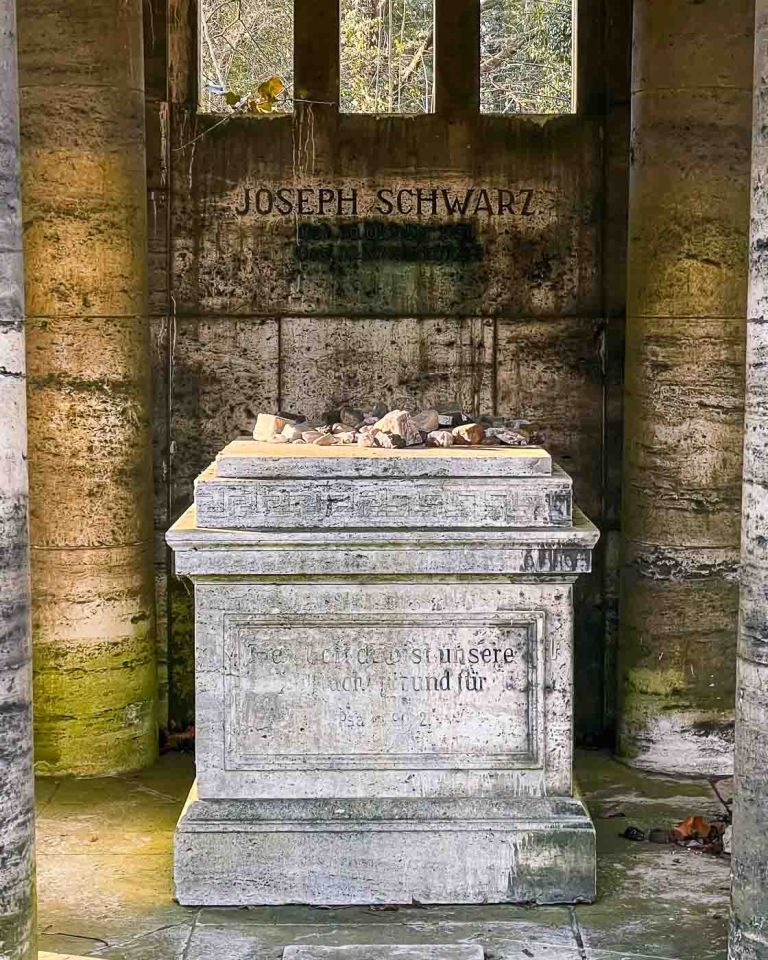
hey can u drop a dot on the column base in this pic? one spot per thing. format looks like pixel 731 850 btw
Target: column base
pixel 345 852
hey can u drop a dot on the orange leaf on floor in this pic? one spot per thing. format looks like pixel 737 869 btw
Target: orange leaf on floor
pixel 691 828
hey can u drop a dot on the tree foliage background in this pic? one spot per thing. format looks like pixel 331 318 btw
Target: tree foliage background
pixel 526 63
pixel 387 54
pixel 243 43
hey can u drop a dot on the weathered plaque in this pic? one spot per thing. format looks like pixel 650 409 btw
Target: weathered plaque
pixel 375 240
pixel 358 693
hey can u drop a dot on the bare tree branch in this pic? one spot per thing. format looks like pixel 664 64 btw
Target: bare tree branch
pixel 413 66
pixel 214 61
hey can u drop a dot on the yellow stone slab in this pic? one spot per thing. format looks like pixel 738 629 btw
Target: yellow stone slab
pixel 256 459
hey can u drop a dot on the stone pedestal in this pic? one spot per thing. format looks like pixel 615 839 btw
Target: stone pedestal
pixel 384 678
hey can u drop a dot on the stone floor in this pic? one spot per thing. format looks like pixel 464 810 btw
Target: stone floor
pixel 104 865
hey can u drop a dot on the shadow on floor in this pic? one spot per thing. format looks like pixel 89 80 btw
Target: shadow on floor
pixel 104 883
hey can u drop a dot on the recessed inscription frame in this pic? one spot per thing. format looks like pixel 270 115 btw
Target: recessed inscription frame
pixel 220 601
pixel 467 693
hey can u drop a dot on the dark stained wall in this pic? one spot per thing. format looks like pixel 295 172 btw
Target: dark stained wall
pixel 518 313
pixel 156 37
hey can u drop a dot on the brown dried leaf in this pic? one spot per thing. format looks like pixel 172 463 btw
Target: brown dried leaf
pixel 692 828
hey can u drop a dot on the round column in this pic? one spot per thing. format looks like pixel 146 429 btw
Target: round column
pixel 17 812
pixel 85 235
pixel 749 923
pixel 686 309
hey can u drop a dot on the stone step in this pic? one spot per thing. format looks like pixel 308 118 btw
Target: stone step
pixel 251 852
pixel 385 951
pixel 448 503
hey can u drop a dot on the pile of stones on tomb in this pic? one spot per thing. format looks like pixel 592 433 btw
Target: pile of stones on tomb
pixel 391 429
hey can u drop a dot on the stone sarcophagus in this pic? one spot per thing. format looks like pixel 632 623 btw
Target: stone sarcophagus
pixel 384 678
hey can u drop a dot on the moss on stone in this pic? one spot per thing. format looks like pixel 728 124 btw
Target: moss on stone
pixel 659 682
pixel 95 706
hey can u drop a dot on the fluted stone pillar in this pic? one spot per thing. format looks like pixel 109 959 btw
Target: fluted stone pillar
pixel 686 309
pixel 82 123
pixel 17 814
pixel 749 926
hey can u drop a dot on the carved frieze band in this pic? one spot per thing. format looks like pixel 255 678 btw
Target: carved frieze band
pixel 252 504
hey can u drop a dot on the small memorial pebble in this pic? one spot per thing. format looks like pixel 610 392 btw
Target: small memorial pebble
pixel 444 426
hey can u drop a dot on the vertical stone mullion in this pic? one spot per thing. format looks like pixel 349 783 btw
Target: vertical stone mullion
pixel 316 51
pixel 316 86
pixel 686 308
pixel 17 815
pixel 85 249
pixel 457 57
pixel 749 924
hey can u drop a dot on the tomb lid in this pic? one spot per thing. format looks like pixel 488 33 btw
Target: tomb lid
pixel 253 459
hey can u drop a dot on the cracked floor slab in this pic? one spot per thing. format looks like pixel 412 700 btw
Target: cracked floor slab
pixel 104 867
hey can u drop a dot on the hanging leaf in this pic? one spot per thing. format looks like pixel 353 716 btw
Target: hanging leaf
pixel 267 94
pixel 271 89
pixel 232 98
pixel 259 106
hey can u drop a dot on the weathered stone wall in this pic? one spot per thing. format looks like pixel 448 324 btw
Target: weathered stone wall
pixel 686 308
pixel 512 310
pixel 749 928
pixel 17 814
pixel 82 116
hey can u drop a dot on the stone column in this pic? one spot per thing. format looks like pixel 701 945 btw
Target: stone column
pixel 749 925
pixel 84 183
pixel 17 812
pixel 686 308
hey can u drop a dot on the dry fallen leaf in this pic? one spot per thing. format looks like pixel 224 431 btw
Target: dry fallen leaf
pixel 692 828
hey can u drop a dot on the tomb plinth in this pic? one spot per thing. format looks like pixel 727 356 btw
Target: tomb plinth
pixel 383 678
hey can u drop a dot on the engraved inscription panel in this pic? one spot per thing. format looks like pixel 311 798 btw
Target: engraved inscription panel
pixel 439 691
pixel 342 503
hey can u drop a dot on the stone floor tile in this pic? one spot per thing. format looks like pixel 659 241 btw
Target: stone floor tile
pixel 623 955
pixel 55 955
pixel 167 943
pixel 432 951
pixel 171 777
pixel 45 788
pixel 653 900
pixel 87 902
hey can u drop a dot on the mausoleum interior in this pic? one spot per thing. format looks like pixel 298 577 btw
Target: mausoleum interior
pixel 384 479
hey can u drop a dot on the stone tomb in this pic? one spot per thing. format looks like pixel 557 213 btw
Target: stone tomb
pixel 384 678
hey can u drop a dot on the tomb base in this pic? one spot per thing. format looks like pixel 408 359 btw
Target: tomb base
pixel 399 851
